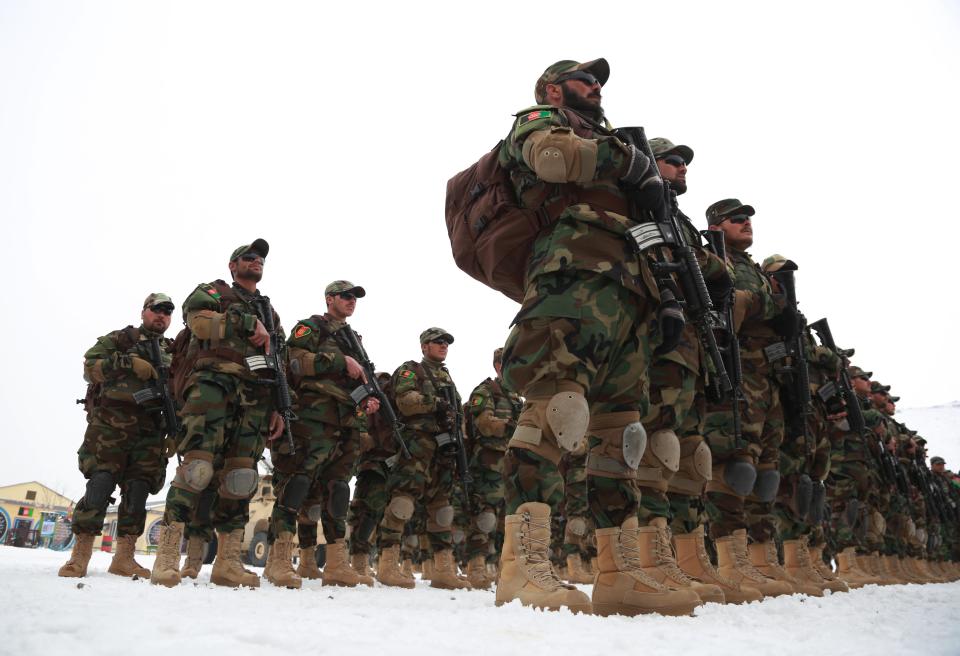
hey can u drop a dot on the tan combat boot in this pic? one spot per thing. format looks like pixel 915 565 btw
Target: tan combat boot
pixel 194 562
pixel 445 572
pixel 123 563
pixel 279 568
pixel 525 570
pixel 227 568
pixel 658 560
pixel 692 558
pixel 797 562
pixel 623 587
pixel 477 573
pixel 816 559
pixel 849 571
pixel 890 569
pixel 307 567
pixel 360 562
pixel 872 565
pixel 337 570
pixel 426 569
pixel 76 567
pixel 763 556
pixel 575 570
pixel 388 569
pixel 166 566
pixel 734 563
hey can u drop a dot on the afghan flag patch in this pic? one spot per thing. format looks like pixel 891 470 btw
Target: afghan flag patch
pixel 477 400
pixel 406 374
pixel 213 292
pixel 534 115
pixel 302 331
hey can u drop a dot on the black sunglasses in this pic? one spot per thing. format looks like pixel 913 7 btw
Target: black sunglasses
pixel 674 160
pixel 580 76
pixel 161 309
pixel 347 296
pixel 440 341
pixel 736 218
pixel 251 257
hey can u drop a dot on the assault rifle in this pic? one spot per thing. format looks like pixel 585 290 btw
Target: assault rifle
pixel 372 386
pixel 728 343
pixel 455 438
pixel 666 230
pixel 274 362
pixel 854 411
pixel 159 389
pixel 793 330
pixel 930 490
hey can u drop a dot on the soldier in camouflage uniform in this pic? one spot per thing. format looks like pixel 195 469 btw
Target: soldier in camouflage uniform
pixel 947 546
pixel 579 348
pixel 420 392
pixel 491 412
pixel 124 442
pixel 311 483
pixel 745 477
pixel 228 412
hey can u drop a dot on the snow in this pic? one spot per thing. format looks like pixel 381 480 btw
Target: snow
pixel 103 614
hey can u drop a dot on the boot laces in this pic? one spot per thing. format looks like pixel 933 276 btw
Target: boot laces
pixel 539 568
pixel 630 552
pixel 667 560
pixel 744 564
pixel 807 564
pixel 711 570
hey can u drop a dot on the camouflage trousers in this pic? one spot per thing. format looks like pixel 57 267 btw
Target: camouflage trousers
pixel 846 497
pixel 576 508
pixel 802 456
pixel 426 477
pixel 227 417
pixel 369 500
pixel 486 470
pixel 584 329
pixel 319 469
pixel 127 443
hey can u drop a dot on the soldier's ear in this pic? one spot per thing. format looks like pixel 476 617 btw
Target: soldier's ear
pixel 233 269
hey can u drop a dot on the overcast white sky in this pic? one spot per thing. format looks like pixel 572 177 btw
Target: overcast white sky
pixel 141 142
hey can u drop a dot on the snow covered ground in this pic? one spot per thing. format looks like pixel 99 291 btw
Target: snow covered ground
pixel 104 614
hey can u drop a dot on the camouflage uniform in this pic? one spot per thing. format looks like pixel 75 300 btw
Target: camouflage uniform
pixel 370 488
pixel 124 441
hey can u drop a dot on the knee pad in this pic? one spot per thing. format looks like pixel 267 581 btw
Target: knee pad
pixel 568 416
pixel 457 536
pixel 240 478
pixel 366 527
pixel 817 501
pixel 411 542
pixel 195 472
pixel 740 476
pixel 135 496
pixel 99 488
pixel 400 507
pixel 661 460
pixel 440 518
pixel 768 482
pixel 696 466
pixel 313 512
pixel 338 500
pixel 295 493
pixel 802 495
pixel 486 521
pixel 622 443
pixel 575 529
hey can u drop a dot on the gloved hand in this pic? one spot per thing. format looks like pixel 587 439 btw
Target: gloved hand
pixel 445 415
pixel 719 289
pixel 642 177
pixel 142 369
pixel 671 321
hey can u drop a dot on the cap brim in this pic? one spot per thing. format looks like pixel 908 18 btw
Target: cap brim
pixel 686 152
pixel 359 292
pixel 448 337
pixel 599 68
pixel 260 246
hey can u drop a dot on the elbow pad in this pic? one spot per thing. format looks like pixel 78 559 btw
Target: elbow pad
pixel 559 155
pixel 413 403
pixel 207 324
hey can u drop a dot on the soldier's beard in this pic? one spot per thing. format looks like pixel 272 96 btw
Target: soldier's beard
pixel 250 275
pixel 591 108
pixel 679 186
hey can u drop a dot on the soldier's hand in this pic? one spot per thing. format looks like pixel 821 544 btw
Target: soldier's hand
pixel 372 405
pixel 354 370
pixel 261 337
pixel 719 289
pixel 142 369
pixel 276 426
pixel 671 321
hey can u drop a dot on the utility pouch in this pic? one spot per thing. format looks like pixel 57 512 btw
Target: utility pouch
pixel 775 352
pixel 146 395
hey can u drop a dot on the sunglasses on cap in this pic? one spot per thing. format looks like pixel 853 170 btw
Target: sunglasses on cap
pixel 252 257
pixel 580 76
pixel 440 340
pixel 736 218
pixel 674 160
pixel 161 309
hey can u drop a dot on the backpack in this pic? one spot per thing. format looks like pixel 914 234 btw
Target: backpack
pixel 182 364
pixel 490 234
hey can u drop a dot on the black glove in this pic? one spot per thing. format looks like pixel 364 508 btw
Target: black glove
pixel 642 178
pixel 719 289
pixel 445 415
pixel 671 321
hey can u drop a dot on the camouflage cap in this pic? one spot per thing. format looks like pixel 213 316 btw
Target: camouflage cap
pixel 662 147
pixel 776 263
pixel 158 298
pixel 856 372
pixel 877 388
pixel 599 68
pixel 259 246
pixel 723 208
pixel 937 460
pixel 435 333
pixel 339 286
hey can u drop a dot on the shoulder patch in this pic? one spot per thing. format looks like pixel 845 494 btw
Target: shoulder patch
pixel 477 400
pixel 533 116
pixel 302 330
pixel 212 291
pixel 406 374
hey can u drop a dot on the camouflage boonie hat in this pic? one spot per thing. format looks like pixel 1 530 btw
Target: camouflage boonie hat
pixel 259 246
pixel 856 372
pixel 599 68
pixel 877 388
pixel 431 334
pixel 776 263
pixel 723 208
pixel 937 460
pixel 157 298
pixel 662 147
pixel 338 286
